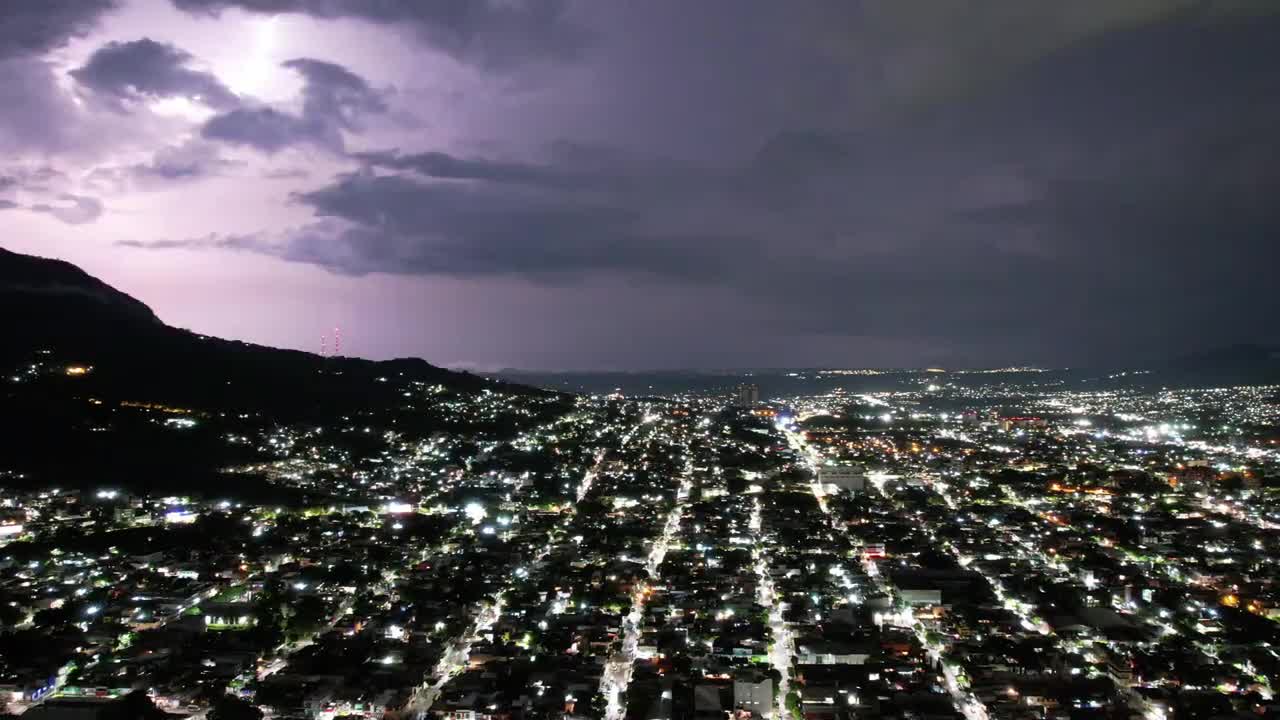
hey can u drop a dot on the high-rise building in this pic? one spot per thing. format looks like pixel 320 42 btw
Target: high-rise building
pixel 748 394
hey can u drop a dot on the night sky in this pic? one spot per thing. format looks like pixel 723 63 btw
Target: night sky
pixel 660 184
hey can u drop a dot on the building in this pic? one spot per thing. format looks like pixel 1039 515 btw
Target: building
pixel 1120 668
pixel 921 596
pixel 748 394
pixel 1023 423
pixel 753 691
pixel 873 551
pixel 77 708
pixel 818 651
pixel 229 616
pixel 842 477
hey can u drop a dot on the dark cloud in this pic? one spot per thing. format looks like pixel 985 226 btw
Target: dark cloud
pixel 41 118
pixel 334 100
pixel 1081 206
pixel 38 179
pixel 1090 181
pixel 146 69
pixel 73 210
pixel 194 159
pixel 35 114
pixel 212 241
pixel 445 166
pixel 266 129
pixel 33 28
pixel 395 224
pixel 496 33
pixel 42 189
pixel 294 173
pixel 334 94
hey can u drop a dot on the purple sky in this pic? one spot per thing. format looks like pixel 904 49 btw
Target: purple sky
pixel 624 185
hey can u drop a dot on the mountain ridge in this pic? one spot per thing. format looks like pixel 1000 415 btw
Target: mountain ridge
pixel 54 306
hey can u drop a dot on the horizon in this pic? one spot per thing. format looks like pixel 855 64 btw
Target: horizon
pixel 747 371
pixel 564 186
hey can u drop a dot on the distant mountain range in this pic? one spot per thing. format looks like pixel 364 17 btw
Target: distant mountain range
pixel 53 305
pixel 1247 357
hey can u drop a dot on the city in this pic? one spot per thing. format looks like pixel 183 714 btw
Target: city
pixel 1005 548
pixel 639 360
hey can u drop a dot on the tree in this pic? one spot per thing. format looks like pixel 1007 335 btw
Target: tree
pixel 136 705
pixel 793 703
pixel 599 705
pixel 309 615
pixel 228 707
pixel 54 617
pixel 11 614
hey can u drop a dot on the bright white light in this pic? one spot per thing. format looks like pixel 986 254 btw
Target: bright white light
pixel 92 610
pixel 186 108
pixel 397 508
pixel 255 63
pixel 476 512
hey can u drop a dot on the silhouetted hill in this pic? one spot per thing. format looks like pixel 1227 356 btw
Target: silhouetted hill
pixel 1249 356
pixel 52 302
pixel 53 305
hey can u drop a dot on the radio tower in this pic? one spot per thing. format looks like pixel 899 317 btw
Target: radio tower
pixel 337 340
pixel 323 341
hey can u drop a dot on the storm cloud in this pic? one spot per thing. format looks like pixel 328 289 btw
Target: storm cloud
pixel 29 28
pixel 815 183
pixel 71 209
pixel 489 32
pixel 334 100
pixel 192 160
pixel 146 69
pixel 1021 210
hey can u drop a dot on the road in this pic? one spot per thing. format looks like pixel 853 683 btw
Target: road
pixel 454 659
pixel 964 701
pixel 617 673
pixel 782 645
